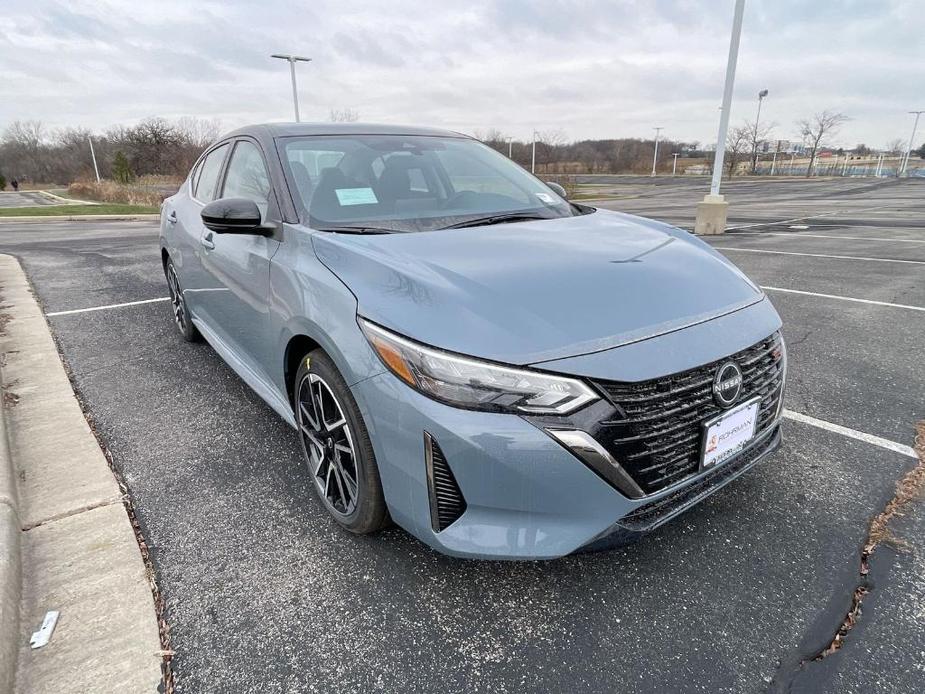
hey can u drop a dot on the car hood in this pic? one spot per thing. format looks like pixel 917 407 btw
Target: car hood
pixel 522 293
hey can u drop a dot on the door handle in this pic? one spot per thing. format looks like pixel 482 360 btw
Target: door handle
pixel 207 241
pixel 172 217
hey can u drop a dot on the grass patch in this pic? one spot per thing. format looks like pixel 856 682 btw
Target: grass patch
pixel 74 210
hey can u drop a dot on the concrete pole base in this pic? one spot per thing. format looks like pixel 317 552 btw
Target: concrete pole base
pixel 711 215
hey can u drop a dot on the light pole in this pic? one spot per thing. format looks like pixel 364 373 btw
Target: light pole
pixel 915 125
pixel 93 156
pixel 763 93
pixel 773 162
pixel 711 213
pixel 533 156
pixel 655 155
pixel 879 165
pixel 674 165
pixel 293 59
pixel 510 147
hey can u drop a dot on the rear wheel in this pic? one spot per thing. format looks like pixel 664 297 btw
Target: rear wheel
pixel 337 448
pixel 178 303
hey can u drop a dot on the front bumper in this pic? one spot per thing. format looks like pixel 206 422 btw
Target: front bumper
pixel 657 511
pixel 526 496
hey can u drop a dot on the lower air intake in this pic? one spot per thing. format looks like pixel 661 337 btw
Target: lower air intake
pixel 446 500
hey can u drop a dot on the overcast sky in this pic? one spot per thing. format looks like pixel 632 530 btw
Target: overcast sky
pixel 592 68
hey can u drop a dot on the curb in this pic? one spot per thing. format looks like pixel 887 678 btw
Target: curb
pixel 10 559
pixel 76 548
pixel 80 218
pixel 69 201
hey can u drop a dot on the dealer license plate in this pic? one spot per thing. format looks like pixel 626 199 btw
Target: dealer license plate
pixel 729 433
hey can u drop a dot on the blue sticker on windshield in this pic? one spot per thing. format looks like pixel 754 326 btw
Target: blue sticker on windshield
pixel 356 196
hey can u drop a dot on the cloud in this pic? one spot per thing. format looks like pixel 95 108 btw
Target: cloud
pixel 594 68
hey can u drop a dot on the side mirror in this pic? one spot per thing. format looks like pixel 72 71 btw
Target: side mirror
pixel 232 216
pixel 557 189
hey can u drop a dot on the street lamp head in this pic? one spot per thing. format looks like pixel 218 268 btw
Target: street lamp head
pixel 763 93
pixel 291 58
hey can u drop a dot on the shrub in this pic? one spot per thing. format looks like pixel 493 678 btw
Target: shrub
pixel 110 191
pixel 2 182
pixel 121 171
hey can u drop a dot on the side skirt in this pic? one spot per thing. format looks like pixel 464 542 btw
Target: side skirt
pixel 264 389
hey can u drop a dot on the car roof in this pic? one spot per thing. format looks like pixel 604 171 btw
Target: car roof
pixel 275 130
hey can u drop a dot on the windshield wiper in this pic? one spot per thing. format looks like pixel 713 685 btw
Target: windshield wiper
pixel 358 230
pixel 498 219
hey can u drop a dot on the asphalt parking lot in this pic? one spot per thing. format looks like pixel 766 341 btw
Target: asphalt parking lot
pixel 25 198
pixel 265 594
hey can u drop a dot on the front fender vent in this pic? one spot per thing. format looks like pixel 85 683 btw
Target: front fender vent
pixel 446 500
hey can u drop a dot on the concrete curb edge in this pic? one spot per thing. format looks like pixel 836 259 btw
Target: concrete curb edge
pixel 76 545
pixel 69 201
pixel 10 556
pixel 81 218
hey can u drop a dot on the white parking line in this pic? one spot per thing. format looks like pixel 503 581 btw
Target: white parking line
pixel 843 298
pixel 108 306
pixel 828 236
pixel 820 255
pixel 851 433
pixel 831 213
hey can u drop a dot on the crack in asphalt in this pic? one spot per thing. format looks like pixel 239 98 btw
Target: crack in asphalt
pixel 908 489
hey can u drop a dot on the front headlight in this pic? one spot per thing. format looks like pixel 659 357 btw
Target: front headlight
pixel 466 382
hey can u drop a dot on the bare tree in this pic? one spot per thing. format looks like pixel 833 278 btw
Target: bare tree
pixel 155 146
pixel 548 143
pixel 199 132
pixel 737 144
pixel 25 151
pixel 494 138
pixel 490 136
pixel 896 146
pixel 28 133
pixel 817 130
pixel 344 115
pixel 756 135
pixel 72 154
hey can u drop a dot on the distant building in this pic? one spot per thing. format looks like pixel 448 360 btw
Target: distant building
pixel 779 146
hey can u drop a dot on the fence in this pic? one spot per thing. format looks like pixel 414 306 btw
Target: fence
pixel 838 167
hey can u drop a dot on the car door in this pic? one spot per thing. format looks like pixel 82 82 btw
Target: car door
pixel 236 266
pixel 184 225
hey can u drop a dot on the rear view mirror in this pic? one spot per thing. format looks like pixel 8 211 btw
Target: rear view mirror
pixel 557 189
pixel 232 216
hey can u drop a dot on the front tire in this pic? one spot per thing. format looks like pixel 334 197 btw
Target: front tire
pixel 337 448
pixel 178 303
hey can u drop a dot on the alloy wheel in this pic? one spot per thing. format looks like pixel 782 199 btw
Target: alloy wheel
pixel 176 299
pixel 328 445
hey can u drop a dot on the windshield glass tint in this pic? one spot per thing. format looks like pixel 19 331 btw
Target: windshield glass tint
pixel 410 183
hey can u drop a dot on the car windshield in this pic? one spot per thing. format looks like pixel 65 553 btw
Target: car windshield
pixel 412 183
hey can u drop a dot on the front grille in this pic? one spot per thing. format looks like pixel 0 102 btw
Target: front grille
pixel 657 430
pixel 446 500
pixel 653 514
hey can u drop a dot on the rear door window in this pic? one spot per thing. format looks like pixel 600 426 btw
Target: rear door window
pixel 211 167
